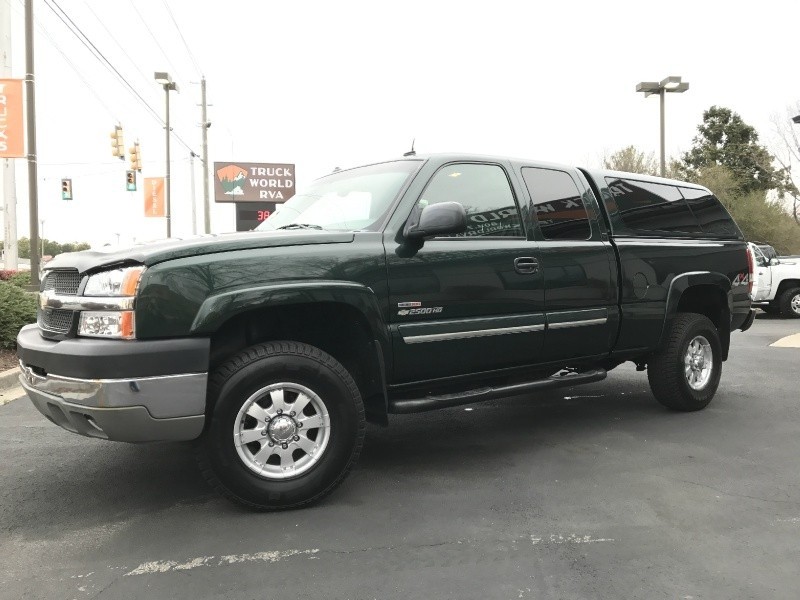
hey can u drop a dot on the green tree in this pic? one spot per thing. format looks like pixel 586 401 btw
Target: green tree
pixel 725 139
pixel 759 218
pixel 24 247
pixel 50 247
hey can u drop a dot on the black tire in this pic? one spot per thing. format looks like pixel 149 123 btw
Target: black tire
pixel 789 303
pixel 666 370
pixel 233 385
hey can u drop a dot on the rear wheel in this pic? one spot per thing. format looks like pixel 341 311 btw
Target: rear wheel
pixel 685 374
pixel 286 428
pixel 789 304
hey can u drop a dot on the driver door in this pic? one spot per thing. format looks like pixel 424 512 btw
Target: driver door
pixel 469 302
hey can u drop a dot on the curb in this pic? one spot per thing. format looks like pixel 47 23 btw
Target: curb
pixel 9 378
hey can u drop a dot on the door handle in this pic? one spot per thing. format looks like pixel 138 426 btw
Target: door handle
pixel 526 265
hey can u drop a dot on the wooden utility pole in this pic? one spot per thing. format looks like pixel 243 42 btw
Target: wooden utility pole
pixel 30 106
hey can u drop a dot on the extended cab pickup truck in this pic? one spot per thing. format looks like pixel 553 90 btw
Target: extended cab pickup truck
pixel 404 286
pixel 776 282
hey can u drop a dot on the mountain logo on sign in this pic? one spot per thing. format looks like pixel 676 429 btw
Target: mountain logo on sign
pixel 232 180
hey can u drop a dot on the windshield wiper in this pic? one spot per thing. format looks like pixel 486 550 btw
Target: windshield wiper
pixel 299 226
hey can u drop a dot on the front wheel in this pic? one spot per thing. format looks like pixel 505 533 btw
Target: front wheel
pixel 286 428
pixel 684 374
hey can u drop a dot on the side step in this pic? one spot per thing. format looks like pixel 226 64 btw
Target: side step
pixel 413 405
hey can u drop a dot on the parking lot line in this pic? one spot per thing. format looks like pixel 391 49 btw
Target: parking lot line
pixel 790 341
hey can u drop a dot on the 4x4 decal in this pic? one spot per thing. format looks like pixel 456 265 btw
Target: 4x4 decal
pixel 741 279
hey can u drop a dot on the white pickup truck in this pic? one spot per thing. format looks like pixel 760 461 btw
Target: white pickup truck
pixel 776 282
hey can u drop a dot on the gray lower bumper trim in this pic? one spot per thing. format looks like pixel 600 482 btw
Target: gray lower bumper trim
pixel 124 424
pixel 145 409
pixel 164 397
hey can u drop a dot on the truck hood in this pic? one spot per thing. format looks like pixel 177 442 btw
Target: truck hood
pixel 150 253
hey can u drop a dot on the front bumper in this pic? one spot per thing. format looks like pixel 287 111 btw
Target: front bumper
pixel 129 395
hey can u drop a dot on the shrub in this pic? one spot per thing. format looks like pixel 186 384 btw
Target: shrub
pixel 17 309
pixel 20 278
pixel 5 274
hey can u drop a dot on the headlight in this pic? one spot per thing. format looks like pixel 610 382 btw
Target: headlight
pixel 113 324
pixel 119 282
pixel 107 324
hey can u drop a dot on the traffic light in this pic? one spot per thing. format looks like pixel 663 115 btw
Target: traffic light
pixel 117 143
pixel 66 189
pixel 130 181
pixel 135 157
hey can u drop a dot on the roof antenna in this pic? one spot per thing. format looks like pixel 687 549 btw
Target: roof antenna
pixel 411 152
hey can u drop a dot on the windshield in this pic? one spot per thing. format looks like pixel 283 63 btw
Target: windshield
pixel 349 200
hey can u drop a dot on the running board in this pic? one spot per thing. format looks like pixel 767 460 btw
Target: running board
pixel 413 405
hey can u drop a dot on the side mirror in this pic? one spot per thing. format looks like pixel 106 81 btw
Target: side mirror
pixel 773 261
pixel 436 219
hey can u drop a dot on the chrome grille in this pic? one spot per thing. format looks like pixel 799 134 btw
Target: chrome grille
pixel 63 282
pixel 55 319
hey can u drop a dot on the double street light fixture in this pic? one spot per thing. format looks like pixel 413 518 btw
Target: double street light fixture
pixel 166 82
pixel 671 84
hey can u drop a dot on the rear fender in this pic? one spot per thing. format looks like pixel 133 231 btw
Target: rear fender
pixel 684 282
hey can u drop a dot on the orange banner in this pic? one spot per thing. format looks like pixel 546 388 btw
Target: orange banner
pixel 12 129
pixel 154 197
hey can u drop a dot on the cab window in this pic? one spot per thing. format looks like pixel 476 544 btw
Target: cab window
pixel 558 203
pixel 485 193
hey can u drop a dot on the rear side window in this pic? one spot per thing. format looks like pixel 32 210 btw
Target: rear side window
pixel 712 216
pixel 558 203
pixel 641 208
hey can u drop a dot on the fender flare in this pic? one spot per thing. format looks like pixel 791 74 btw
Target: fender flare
pixel 681 283
pixel 219 308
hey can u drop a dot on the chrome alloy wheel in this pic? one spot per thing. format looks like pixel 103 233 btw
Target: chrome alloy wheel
pixel 281 431
pixel 698 363
pixel 794 303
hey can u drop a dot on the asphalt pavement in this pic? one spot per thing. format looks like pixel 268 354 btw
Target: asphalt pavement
pixel 592 492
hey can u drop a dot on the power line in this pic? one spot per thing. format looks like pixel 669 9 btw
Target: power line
pixel 97 53
pixel 84 39
pixel 146 26
pixel 116 41
pixel 66 58
pixel 183 39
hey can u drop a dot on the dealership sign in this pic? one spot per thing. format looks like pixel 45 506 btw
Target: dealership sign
pixel 253 182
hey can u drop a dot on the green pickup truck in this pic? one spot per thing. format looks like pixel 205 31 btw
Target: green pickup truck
pixel 397 287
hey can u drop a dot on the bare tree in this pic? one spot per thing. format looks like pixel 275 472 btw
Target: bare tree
pixel 631 160
pixel 786 149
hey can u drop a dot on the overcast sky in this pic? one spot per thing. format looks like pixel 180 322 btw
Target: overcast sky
pixel 324 84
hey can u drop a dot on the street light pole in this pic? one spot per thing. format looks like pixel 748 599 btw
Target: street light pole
pixel 205 125
pixel 671 84
pixel 796 121
pixel 167 179
pixel 192 193
pixel 166 82
pixel 662 93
